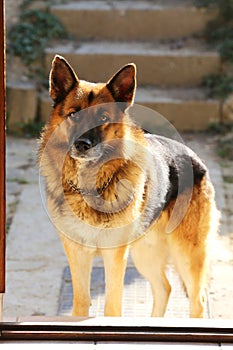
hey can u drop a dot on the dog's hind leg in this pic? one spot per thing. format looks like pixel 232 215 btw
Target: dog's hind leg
pixel 149 257
pixel 189 245
pixel 80 262
pixel 197 297
pixel 115 261
pixel 192 269
pixel 161 290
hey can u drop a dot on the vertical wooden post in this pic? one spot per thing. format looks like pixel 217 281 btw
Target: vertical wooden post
pixel 2 155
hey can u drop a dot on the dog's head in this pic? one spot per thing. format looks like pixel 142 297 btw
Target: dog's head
pixel 95 113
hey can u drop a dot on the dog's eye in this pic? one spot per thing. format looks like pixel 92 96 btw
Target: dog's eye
pixel 104 117
pixel 73 116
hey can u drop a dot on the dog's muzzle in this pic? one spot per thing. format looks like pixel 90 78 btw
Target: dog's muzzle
pixel 82 145
pixel 85 149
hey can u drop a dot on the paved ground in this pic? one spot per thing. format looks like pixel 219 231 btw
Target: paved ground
pixel 38 281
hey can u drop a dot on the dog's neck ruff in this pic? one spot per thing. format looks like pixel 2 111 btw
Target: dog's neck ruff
pixel 97 193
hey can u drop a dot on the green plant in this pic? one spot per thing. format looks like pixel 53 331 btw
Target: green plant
pixel 30 129
pixel 219 31
pixel 206 2
pixel 20 181
pixel 224 145
pixel 36 28
pixel 219 85
pixel 226 49
pixel 228 179
pixel 216 128
pixel 28 39
pixel 225 149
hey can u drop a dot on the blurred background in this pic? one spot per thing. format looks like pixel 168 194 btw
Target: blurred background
pixel 183 50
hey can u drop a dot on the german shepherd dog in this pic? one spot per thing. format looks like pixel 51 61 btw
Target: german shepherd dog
pixel 112 187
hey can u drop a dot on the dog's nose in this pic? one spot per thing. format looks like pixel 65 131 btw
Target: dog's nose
pixel 82 145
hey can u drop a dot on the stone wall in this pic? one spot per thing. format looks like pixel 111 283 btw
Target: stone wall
pixel 12 11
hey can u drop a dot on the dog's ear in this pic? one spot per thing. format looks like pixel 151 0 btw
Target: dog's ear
pixel 123 84
pixel 62 79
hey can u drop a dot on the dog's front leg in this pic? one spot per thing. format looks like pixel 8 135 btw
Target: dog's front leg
pixel 80 262
pixel 115 261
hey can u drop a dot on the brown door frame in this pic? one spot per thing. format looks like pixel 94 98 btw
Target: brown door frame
pixel 68 329
pixel 2 149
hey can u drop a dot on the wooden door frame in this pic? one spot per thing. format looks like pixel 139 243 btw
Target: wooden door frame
pixel 91 329
pixel 2 153
pixel 122 330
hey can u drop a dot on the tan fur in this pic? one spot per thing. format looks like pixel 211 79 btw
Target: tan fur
pixel 186 246
pixel 126 196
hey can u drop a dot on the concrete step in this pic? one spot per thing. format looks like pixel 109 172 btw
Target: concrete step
pixel 21 103
pixel 132 20
pixel 186 109
pixel 158 64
